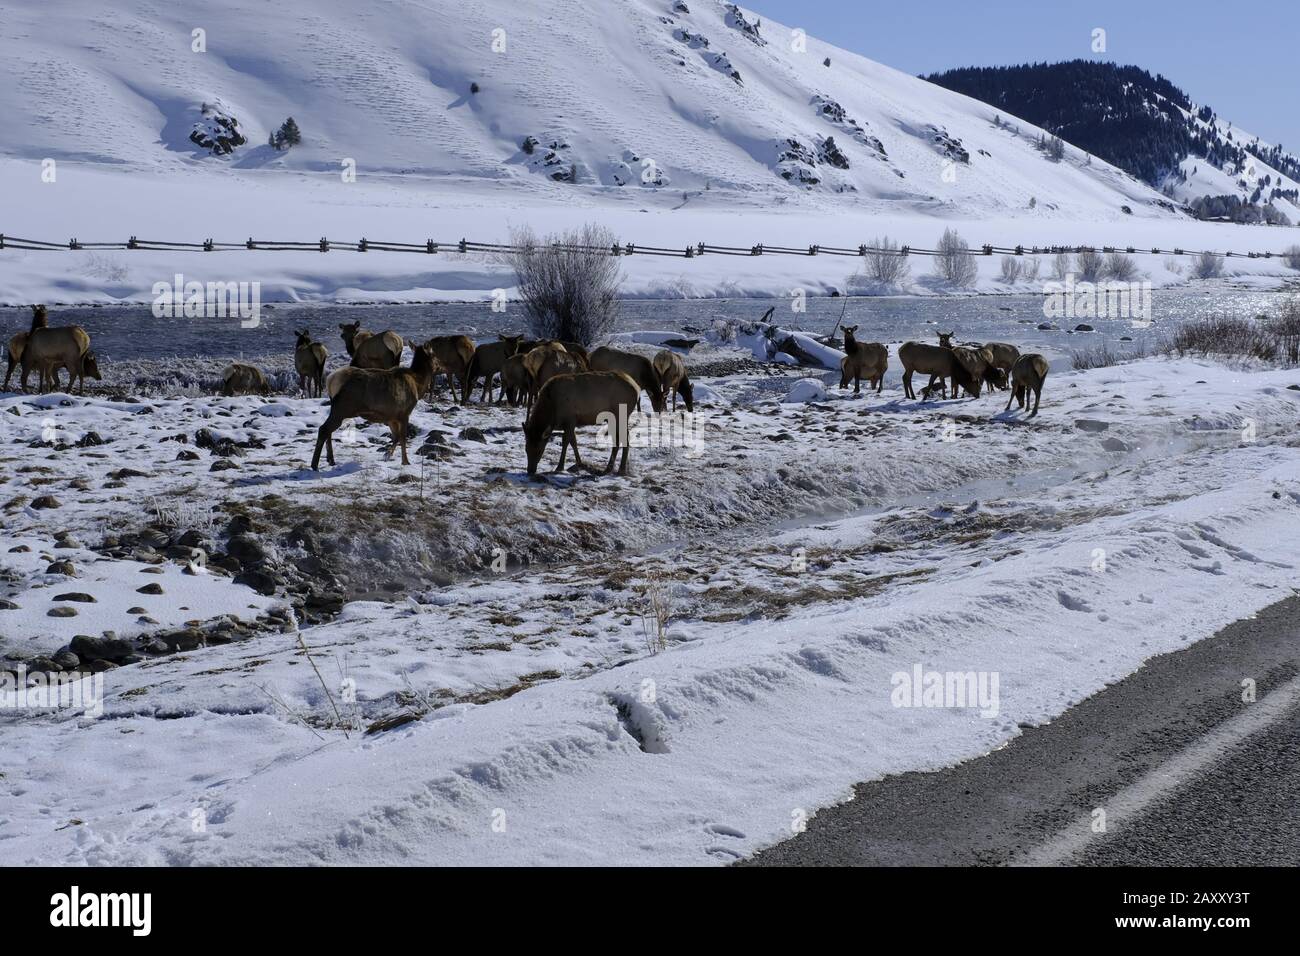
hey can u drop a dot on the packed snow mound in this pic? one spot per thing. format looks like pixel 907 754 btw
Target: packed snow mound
pixel 556 97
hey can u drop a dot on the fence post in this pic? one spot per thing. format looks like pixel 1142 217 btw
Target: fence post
pixel 130 243
pixel 208 244
pixel 690 253
pixel 73 244
pixel 363 246
pixel 250 244
pixel 756 250
pixel 462 245
pixel 324 244
pixel 430 246
pixel 988 250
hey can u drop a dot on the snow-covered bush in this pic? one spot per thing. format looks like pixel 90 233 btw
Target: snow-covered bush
pixel 1062 265
pixel 287 135
pixel 884 264
pixel 1226 336
pixel 1010 269
pixel 1207 266
pixel 568 282
pixel 955 264
pixel 1292 256
pixel 1091 265
pixel 1120 268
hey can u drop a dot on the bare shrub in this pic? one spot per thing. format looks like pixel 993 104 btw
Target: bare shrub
pixel 1292 256
pixel 1091 265
pixel 568 282
pixel 955 264
pixel 1030 268
pixel 1062 265
pixel 1207 266
pixel 1105 355
pixel 1174 266
pixel 884 264
pixel 1285 328
pixel 1120 268
pixel 1229 337
pixel 656 612
pixel 1010 269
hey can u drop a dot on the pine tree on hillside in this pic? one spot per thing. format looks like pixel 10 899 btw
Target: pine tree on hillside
pixel 287 135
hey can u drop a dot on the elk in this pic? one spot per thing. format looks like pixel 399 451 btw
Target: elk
pixel 19 342
pixel 371 350
pixel 1029 372
pixel 978 361
pixel 553 363
pixel 385 396
pixel 1004 358
pixel 568 402
pixel 240 378
pixel 515 383
pixel 869 361
pixel 939 363
pixel 309 361
pixel 453 355
pixel 636 367
pixel 488 361
pixel 672 374
pixel 50 349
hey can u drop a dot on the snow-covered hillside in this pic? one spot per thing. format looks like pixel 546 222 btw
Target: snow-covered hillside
pixel 615 93
pixel 670 122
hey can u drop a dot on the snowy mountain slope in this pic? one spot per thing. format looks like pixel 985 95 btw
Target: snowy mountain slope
pixel 1149 127
pixel 639 92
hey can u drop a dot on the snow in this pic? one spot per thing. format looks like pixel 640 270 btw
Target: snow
pixel 111 101
pixel 825 548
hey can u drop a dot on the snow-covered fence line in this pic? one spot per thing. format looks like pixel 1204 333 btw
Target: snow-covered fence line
pixel 429 247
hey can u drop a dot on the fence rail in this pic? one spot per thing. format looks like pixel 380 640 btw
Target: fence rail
pixel 464 246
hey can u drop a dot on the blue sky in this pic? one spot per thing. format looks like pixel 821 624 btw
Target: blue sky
pixel 1242 59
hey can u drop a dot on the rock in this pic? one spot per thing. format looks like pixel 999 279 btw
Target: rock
pixel 8 605
pixel 67 660
pixel 191 539
pixel 223 464
pixel 153 588
pixel 246 549
pixel 89 648
pixel 63 610
pixel 62 567
pixel 122 474
pixel 1114 444
pixel 46 501
pixel 89 440
pixel 1084 327
pixel 473 434
pixel 136 610
pixel 1047 327
pixel 79 596
pixel 1090 425
pixel 186 455
pixel 259 581
pixel 23 549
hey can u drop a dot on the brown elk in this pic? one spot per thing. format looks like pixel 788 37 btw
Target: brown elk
pixel 50 349
pixel 240 378
pixel 309 361
pixel 672 374
pixel 1029 372
pixel 636 367
pixel 453 355
pixel 939 363
pixel 385 396
pixel 19 342
pixel 487 362
pixel 371 350
pixel 870 361
pixel 569 402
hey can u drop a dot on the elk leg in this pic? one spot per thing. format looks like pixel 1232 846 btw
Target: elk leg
pixel 572 435
pixel 1038 393
pixel 325 434
pixel 564 450
pixel 622 470
pixel 1010 398
pixel 404 425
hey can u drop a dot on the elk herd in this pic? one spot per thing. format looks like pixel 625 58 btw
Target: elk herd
pixel 561 384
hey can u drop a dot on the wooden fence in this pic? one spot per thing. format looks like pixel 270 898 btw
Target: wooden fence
pixel 429 247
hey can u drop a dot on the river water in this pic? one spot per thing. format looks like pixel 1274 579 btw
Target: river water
pixel 132 333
